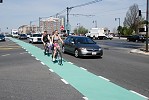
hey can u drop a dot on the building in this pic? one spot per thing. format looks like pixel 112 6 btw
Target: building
pixel 50 24
pixel 28 28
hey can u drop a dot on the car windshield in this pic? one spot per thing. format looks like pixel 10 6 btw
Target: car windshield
pixel 23 35
pixel 37 35
pixel 1 35
pixel 85 40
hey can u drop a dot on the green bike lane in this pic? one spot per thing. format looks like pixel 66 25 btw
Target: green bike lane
pixel 91 86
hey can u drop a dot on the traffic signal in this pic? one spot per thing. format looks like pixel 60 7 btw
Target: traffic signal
pixel 1 1
pixel 140 13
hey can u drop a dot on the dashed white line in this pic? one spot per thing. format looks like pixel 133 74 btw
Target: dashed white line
pixel 23 52
pixel 51 70
pixel 37 59
pixel 139 94
pixel 83 68
pixel 70 62
pixel 85 98
pixel 42 63
pixel 104 78
pixel 64 81
pixel 5 55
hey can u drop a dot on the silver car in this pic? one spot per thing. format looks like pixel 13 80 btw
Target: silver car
pixel 81 46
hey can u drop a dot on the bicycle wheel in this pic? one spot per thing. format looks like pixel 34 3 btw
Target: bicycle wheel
pixel 59 57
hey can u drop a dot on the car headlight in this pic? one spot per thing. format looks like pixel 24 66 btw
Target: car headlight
pixel 99 49
pixel 83 49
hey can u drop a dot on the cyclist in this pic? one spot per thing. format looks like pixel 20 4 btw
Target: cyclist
pixel 45 39
pixel 55 40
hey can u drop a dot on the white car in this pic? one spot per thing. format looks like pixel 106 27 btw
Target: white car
pixel 109 36
pixel 35 38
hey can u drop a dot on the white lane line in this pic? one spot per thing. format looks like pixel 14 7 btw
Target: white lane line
pixel 5 55
pixel 51 70
pixel 42 63
pixel 139 94
pixel 64 81
pixel 104 78
pixel 70 63
pixel 23 53
pixel 85 98
pixel 37 59
pixel 83 68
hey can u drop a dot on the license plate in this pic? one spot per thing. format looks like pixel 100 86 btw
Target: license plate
pixel 93 53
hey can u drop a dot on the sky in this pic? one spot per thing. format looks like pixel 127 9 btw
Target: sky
pixel 15 13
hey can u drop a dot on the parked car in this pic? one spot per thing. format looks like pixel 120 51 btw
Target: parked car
pixel 2 37
pixel 35 38
pixel 81 46
pixel 22 36
pixel 28 35
pixel 136 38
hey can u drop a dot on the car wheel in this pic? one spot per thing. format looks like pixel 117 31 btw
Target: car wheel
pixel 76 53
pixel 63 49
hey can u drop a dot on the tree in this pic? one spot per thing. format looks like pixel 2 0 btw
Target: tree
pixel 132 19
pixel 81 30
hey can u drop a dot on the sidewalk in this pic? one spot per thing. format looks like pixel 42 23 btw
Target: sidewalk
pixel 139 51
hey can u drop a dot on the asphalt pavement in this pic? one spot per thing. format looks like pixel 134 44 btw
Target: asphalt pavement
pixel 23 77
pixel 80 83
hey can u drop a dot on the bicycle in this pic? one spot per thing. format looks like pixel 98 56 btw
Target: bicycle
pixel 47 49
pixel 58 56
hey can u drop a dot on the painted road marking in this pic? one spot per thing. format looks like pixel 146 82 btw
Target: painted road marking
pixel 87 83
pixel 83 68
pixel 5 55
pixel 64 81
pixel 37 59
pixel 85 98
pixel 23 53
pixel 51 70
pixel 104 78
pixel 139 94
pixel 70 62
pixel 42 63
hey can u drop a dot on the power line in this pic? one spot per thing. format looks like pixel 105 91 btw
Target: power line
pixel 88 3
pixel 82 15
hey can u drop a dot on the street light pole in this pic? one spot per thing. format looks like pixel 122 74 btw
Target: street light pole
pixel 69 8
pixel 30 26
pixel 147 18
pixel 67 25
pixel 118 27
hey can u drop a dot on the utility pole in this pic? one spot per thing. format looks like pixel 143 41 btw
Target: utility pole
pixel 69 8
pixel 147 18
pixel 118 27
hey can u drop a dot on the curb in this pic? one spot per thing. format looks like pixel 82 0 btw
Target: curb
pixel 139 51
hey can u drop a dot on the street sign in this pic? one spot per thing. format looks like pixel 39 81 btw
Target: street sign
pixel 62 28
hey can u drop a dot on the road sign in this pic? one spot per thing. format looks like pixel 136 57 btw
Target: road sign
pixel 62 28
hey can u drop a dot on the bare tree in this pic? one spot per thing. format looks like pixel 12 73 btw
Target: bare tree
pixel 132 19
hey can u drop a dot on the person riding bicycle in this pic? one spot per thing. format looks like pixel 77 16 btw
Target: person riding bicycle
pixel 55 41
pixel 45 39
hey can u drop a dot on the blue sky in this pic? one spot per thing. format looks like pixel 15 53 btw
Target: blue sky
pixel 14 13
